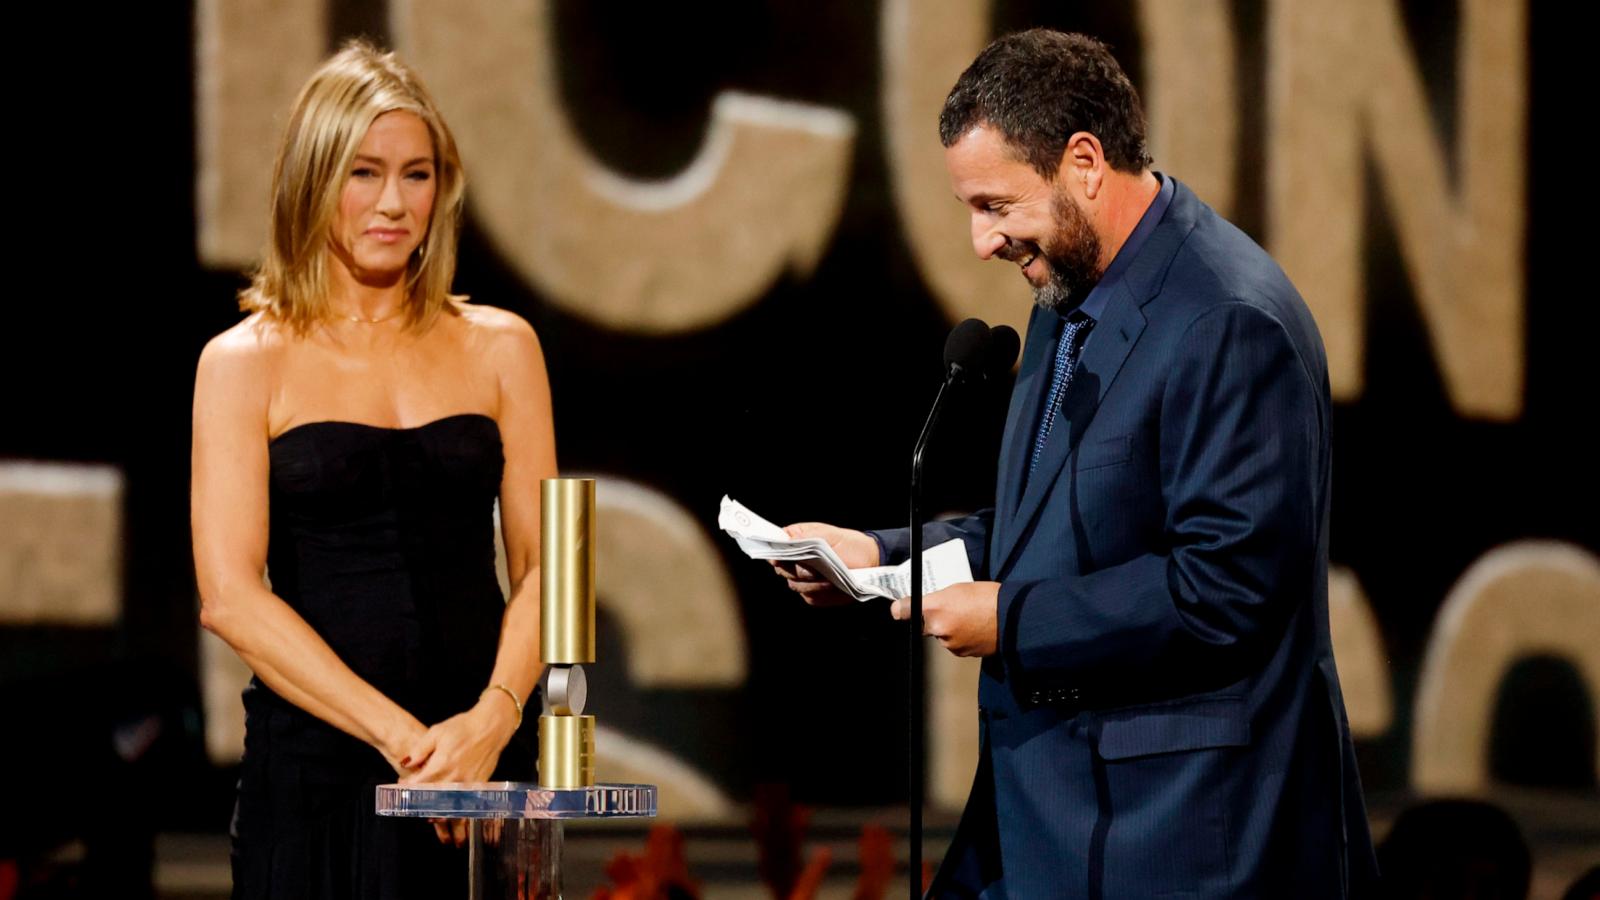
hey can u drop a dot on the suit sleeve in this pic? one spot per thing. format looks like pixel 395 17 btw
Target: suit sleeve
pixel 894 544
pixel 1242 468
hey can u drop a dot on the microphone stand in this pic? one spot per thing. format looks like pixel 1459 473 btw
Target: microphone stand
pixel 973 349
pixel 917 680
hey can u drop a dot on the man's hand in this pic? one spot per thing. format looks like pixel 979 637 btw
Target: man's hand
pixel 856 548
pixel 964 617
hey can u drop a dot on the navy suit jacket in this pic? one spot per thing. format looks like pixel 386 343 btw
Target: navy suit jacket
pixel 1163 718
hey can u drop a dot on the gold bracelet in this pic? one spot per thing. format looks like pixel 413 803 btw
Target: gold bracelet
pixel 509 693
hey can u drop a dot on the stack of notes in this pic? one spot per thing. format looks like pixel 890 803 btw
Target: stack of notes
pixel 942 566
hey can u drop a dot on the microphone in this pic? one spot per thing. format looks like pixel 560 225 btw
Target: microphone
pixel 1004 345
pixel 966 349
pixel 972 352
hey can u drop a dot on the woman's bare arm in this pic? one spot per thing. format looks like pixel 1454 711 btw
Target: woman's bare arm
pixel 228 516
pixel 529 435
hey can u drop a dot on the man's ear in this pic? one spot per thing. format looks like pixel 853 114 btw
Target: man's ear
pixel 1083 164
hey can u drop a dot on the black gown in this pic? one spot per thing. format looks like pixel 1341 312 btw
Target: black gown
pixel 383 540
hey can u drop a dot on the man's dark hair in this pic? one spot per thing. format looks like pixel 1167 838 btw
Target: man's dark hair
pixel 1039 87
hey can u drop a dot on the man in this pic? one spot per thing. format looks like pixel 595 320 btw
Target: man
pixel 1159 708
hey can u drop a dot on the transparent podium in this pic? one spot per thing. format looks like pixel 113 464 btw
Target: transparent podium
pixel 515 847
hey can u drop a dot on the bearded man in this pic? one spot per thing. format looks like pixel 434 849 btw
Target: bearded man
pixel 1158 703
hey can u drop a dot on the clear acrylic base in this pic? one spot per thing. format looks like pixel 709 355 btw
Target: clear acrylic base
pixel 516 840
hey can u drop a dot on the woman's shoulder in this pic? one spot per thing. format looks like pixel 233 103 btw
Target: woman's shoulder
pixel 503 343
pixel 490 320
pixel 251 346
pixel 494 329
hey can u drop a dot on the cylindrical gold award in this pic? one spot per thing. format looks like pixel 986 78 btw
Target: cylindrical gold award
pixel 566 562
pixel 566 626
pixel 566 751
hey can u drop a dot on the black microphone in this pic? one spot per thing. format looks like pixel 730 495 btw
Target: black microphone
pixel 966 349
pixel 970 354
pixel 1004 345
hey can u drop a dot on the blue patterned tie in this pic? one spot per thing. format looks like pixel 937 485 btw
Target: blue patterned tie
pixel 1073 334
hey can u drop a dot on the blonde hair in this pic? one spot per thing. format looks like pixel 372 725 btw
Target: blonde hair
pixel 329 120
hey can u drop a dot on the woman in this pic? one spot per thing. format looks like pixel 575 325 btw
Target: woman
pixel 350 437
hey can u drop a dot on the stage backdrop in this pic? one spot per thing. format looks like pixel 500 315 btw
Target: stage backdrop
pixel 730 226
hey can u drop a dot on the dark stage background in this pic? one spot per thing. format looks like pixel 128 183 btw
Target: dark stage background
pixel 803 403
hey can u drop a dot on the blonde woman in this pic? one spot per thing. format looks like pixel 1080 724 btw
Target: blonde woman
pixel 351 436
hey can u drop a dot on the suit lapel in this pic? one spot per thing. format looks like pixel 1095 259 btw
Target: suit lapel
pixel 1026 398
pixel 1107 349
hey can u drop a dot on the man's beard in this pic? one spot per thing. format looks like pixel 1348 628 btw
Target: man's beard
pixel 1072 254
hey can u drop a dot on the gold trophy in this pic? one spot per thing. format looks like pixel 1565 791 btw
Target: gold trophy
pixel 566 598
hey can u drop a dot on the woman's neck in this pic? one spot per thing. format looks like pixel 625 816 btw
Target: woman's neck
pixel 364 297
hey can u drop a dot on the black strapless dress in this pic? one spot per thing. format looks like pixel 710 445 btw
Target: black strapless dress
pixel 383 540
